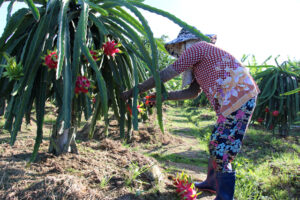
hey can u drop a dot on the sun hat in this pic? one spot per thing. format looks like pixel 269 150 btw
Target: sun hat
pixel 175 48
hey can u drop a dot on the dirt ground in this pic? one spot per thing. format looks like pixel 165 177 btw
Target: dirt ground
pixel 104 168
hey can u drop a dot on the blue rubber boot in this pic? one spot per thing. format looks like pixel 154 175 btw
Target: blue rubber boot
pixel 225 183
pixel 210 183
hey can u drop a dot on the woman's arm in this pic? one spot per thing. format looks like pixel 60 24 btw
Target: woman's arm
pixel 189 93
pixel 188 59
pixel 165 75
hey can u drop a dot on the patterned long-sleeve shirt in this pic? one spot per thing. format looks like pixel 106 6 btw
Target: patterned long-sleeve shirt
pixel 226 83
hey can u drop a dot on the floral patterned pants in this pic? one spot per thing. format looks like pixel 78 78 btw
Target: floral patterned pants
pixel 227 136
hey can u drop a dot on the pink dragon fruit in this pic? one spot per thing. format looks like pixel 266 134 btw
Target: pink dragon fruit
pixel 50 59
pixel 180 185
pixel 189 194
pixel 82 85
pixel 275 113
pixel 185 187
pixel 111 48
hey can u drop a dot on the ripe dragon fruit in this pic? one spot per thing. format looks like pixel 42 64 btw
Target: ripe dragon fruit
pixel 260 120
pixel 50 59
pixel 111 48
pixel 275 113
pixel 185 187
pixel 189 194
pixel 82 85
pixel 267 110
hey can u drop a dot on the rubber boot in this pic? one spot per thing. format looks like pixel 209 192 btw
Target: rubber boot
pixel 210 183
pixel 225 183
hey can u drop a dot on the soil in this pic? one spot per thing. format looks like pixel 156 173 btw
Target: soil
pixel 103 169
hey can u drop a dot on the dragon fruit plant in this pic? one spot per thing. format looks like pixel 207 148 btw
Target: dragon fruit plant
pixel 184 187
pixel 73 30
pixel 274 110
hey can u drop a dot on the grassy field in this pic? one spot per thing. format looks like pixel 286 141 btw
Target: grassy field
pixel 268 167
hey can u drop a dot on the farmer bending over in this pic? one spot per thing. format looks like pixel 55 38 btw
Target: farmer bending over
pixel 229 88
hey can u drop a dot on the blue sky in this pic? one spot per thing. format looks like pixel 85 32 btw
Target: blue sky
pixel 259 27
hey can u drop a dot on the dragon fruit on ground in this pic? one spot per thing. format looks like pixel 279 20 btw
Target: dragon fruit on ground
pixel 185 187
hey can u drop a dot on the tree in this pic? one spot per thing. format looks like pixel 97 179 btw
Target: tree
pixel 74 38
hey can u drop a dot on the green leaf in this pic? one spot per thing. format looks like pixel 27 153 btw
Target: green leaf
pixel 33 9
pixel 270 86
pixel 109 4
pixel 9 114
pixel 62 22
pixel 120 33
pixel 100 82
pixel 87 107
pixel 265 61
pixel 98 24
pixel 122 14
pixel 116 75
pixel 96 115
pixel 135 94
pixel 297 96
pixel 67 79
pixel 289 102
pixel 79 36
pixel 12 26
pixel 96 8
pixel 281 89
pixel 291 92
pixel 9 9
pixel 125 71
pixel 31 65
pixel 36 43
pixel 22 106
pixel 40 111
pixel 83 22
pixel 25 48
pixel 16 42
pixel 133 36
pixel 161 46
pixel 154 66
pixel 122 119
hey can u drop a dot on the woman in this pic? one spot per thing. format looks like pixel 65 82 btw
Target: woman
pixel 229 88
